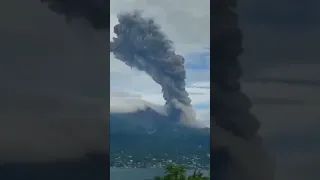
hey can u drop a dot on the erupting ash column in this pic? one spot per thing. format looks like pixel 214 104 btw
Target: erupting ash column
pixel 141 44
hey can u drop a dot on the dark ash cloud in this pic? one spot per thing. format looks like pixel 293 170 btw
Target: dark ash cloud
pixel 141 44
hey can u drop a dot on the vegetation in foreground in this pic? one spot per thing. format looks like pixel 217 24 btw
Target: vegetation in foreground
pixel 179 172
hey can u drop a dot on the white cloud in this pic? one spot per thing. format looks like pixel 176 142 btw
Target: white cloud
pixel 175 18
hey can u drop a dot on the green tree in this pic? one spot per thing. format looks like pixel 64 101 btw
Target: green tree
pixel 178 172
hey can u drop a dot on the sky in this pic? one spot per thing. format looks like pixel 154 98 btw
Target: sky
pixel 191 41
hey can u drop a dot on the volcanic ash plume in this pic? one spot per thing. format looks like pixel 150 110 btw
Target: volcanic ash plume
pixel 141 44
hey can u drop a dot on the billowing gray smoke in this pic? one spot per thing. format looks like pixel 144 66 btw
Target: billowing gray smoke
pixel 141 44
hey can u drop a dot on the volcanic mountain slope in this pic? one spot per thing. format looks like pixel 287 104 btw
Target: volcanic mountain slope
pixel 148 132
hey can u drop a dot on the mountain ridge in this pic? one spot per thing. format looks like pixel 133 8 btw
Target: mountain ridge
pixel 146 134
pixel 149 120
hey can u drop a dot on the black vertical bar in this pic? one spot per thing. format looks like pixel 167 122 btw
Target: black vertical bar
pixel 220 61
pixel 226 46
pixel 54 105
